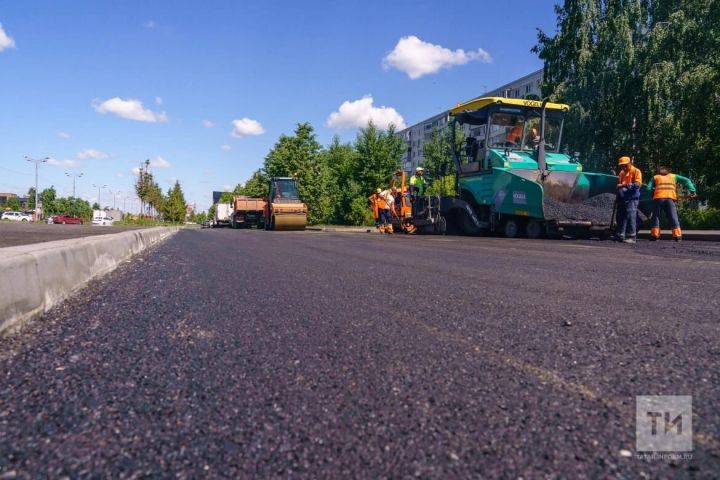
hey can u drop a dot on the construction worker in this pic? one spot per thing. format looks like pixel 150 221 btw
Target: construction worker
pixel 512 139
pixel 417 189
pixel 374 204
pixel 664 188
pixel 417 181
pixel 629 184
pixel 385 206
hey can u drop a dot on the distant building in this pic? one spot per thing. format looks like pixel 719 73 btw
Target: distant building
pixel 6 196
pixel 416 135
pixel 216 197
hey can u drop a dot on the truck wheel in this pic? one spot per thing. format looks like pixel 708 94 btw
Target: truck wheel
pixel 468 226
pixel 441 226
pixel 511 228
pixel 533 229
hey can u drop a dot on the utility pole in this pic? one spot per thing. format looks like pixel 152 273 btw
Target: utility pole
pixel 37 162
pixel 74 176
pixel 98 197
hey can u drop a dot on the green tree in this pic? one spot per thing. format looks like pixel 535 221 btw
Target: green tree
pixel 13 203
pixel 343 188
pixel 256 186
pixel 31 198
pixel 96 206
pixel 174 205
pixel 300 155
pixel 379 154
pixel 438 161
pixel 641 78
pixel 211 212
pixel 47 201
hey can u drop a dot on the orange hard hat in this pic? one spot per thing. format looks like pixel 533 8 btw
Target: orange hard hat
pixel 623 160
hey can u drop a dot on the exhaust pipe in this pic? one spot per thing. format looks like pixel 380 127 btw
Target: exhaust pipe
pixel 542 165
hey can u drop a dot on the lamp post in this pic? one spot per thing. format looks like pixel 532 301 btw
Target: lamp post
pixel 98 197
pixel 115 196
pixel 37 162
pixel 73 176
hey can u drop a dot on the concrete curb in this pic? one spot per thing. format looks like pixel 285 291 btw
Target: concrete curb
pixel 41 275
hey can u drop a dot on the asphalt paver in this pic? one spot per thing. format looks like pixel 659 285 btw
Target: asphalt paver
pixel 224 353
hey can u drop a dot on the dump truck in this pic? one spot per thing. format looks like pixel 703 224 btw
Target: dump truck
pixel 284 210
pixel 247 212
pixel 223 210
pixel 512 177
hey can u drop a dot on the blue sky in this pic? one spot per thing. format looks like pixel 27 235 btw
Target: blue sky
pixel 99 86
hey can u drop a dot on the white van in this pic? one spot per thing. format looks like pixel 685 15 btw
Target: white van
pixel 100 217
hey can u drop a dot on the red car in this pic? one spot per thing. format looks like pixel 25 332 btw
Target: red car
pixel 69 219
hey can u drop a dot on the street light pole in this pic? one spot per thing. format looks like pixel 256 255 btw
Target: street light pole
pixel 74 176
pixel 98 197
pixel 37 162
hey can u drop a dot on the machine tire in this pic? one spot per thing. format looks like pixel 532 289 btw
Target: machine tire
pixel 533 229
pixel 468 226
pixel 441 226
pixel 511 228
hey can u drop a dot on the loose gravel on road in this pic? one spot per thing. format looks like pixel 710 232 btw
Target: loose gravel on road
pixel 252 354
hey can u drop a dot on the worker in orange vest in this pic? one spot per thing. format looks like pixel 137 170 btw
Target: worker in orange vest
pixel 629 184
pixel 386 204
pixel 512 139
pixel 664 186
pixel 374 202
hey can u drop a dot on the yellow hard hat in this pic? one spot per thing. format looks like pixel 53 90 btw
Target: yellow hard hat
pixel 378 190
pixel 623 160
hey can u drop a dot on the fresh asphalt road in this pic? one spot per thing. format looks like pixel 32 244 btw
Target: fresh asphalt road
pixel 283 354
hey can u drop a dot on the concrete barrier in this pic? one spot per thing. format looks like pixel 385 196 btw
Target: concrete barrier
pixel 37 276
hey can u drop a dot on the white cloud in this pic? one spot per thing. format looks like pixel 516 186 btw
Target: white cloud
pixel 150 24
pixel 225 148
pixel 227 188
pixel 160 162
pixel 135 170
pixel 158 100
pixel 357 113
pixel 63 134
pixel 130 109
pixel 208 123
pixel 245 127
pixel 91 153
pixel 63 163
pixel 6 41
pixel 417 58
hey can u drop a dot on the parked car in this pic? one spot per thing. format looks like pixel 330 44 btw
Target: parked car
pixel 16 216
pixel 66 219
pixel 102 219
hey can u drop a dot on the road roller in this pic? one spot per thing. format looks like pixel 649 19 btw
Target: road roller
pixel 284 210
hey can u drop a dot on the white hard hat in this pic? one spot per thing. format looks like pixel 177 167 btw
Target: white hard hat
pixel 419 169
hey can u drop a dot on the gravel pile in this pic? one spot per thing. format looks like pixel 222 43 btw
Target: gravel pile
pixel 597 209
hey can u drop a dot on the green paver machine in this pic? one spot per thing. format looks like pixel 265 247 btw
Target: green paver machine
pixel 512 177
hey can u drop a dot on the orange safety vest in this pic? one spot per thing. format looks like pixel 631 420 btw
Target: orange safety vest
pixel 665 186
pixel 381 203
pixel 633 175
